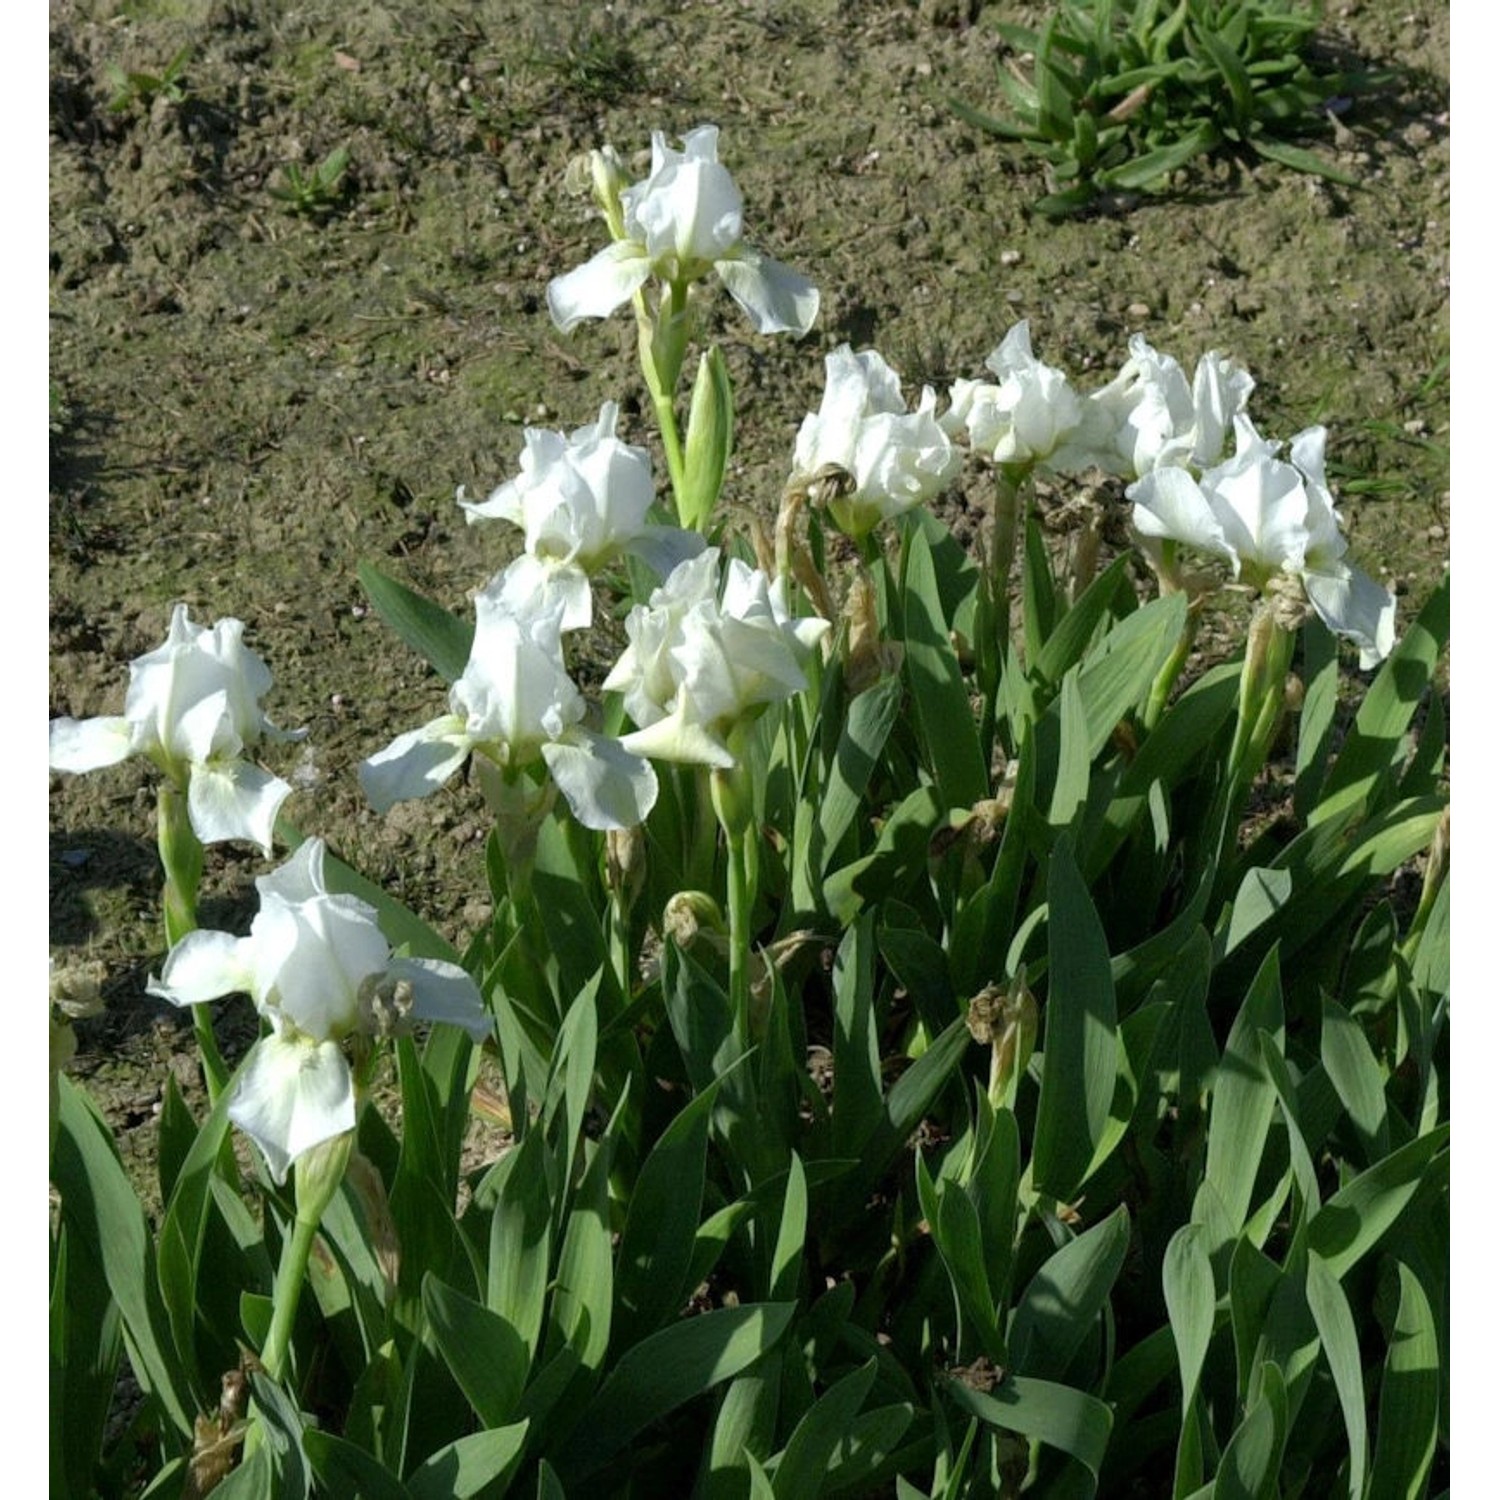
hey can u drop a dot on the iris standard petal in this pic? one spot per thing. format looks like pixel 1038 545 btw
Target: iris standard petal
pixel 692 211
pixel 204 729
pixel 291 1095
pixel 298 878
pixel 515 688
pixel 776 298
pixel 317 983
pixel 1261 504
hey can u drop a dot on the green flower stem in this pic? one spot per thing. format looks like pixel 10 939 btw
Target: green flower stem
pixel 739 937
pixel 625 877
pixel 619 946
pixel 1171 669
pixel 1268 657
pixel 289 1282
pixel 182 867
pixel 1012 488
pixel 319 1172
pixel 181 863
pixel 992 625
pixel 733 802
pixel 988 656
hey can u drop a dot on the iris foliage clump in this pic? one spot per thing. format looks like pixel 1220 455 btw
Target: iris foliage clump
pixel 948 1047
pixel 1123 93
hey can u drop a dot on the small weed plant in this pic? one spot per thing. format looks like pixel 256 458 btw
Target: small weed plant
pixel 316 192
pixel 140 91
pixel 928 1071
pixel 1122 93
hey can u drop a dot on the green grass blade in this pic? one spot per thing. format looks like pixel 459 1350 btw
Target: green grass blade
pixel 871 717
pixel 1354 1218
pixel 656 1245
pixel 816 1437
pixel 1330 1310
pixel 469 1466
pixel 1252 1459
pixel 1300 159
pixel 1060 1307
pixel 521 1243
pixel 857 1094
pixel 949 734
pixel 1071 635
pixel 584 1295
pixel 1350 1063
pixel 483 1352
pixel 344 1468
pixel 1188 1284
pixel 1117 674
pixel 1320 672
pixel 1146 169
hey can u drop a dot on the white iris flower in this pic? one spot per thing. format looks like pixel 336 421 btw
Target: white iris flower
pixel 320 970
pixel 515 707
pixel 193 708
pixel 1032 416
pixel 1156 419
pixel 896 458
pixel 582 502
pixel 681 222
pixel 701 661
pixel 1270 519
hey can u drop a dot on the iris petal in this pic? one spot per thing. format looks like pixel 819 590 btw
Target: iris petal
pixel 88 744
pixel 776 298
pixel 606 786
pixel 291 1095
pixel 232 799
pixel 600 285
pixel 414 764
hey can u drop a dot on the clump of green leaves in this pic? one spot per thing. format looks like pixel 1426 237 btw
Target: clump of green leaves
pixel 1123 94
pixel 316 192
pixel 142 90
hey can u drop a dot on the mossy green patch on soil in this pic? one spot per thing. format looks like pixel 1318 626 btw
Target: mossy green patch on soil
pixel 252 403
